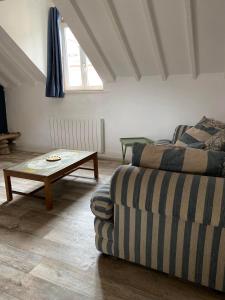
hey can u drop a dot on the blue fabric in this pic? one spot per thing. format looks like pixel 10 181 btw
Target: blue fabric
pixel 54 83
pixel 3 119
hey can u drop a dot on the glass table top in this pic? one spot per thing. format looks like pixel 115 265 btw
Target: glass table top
pixel 40 166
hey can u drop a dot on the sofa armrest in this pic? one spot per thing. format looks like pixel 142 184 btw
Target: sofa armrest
pixel 189 197
pixel 101 203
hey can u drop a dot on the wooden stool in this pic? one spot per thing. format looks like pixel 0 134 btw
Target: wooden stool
pixel 6 139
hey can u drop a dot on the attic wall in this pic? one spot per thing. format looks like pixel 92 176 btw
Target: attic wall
pixel 26 23
pixel 150 108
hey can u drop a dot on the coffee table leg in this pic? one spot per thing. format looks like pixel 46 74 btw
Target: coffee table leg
pixel 48 195
pixel 95 162
pixel 8 187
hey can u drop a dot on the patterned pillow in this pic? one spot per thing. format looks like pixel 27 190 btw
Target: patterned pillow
pixel 211 123
pixel 216 142
pixel 179 131
pixel 198 133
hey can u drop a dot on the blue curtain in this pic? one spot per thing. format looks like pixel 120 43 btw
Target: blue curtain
pixel 54 83
pixel 3 119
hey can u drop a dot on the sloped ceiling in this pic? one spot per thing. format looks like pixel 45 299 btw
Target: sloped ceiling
pixel 149 37
pixel 15 66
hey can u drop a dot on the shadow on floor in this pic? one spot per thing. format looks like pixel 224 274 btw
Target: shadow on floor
pixel 71 199
pixel 124 280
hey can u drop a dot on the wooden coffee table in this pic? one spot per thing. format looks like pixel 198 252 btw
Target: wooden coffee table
pixel 39 169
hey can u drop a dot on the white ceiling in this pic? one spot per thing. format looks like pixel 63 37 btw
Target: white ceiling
pixel 149 37
pixel 15 66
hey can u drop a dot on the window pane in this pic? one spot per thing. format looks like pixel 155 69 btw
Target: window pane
pixel 73 59
pixel 93 78
pixel 79 71
pixel 75 76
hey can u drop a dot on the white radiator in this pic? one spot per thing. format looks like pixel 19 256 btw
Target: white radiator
pixel 80 134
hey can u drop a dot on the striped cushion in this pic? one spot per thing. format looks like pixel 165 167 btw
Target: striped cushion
pixel 179 159
pixel 198 133
pixel 179 131
pixel 101 204
pixel 195 198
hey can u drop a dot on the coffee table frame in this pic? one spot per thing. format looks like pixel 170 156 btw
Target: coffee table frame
pixel 47 180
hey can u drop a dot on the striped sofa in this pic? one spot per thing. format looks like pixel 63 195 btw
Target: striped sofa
pixel 179 130
pixel 172 222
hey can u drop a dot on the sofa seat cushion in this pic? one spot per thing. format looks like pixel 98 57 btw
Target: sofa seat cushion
pixel 101 204
pixel 179 159
pixel 196 198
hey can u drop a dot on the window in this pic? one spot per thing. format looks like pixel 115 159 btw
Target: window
pixel 79 73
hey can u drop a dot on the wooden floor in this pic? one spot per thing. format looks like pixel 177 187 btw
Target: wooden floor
pixel 51 255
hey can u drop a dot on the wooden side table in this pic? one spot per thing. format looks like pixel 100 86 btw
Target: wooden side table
pixel 129 142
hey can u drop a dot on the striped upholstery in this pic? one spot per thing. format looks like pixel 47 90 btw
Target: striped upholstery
pixel 188 250
pixel 179 130
pixel 101 204
pixel 188 197
pixel 104 236
pixel 179 159
pixel 167 221
pixel 196 134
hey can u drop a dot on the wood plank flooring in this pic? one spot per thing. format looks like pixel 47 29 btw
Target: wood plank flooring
pixel 52 256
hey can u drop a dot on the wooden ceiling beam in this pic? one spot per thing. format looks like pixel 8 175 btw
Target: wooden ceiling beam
pixel 3 81
pixel 22 63
pixel 188 5
pixel 117 25
pixel 9 74
pixel 154 38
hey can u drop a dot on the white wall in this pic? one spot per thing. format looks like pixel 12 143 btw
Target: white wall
pixel 26 22
pixel 150 108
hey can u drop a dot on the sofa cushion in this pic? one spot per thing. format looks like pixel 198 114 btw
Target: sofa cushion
pixel 179 131
pixel 198 133
pixel 101 204
pixel 179 159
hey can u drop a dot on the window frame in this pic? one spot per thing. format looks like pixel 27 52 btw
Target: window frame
pixel 84 87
